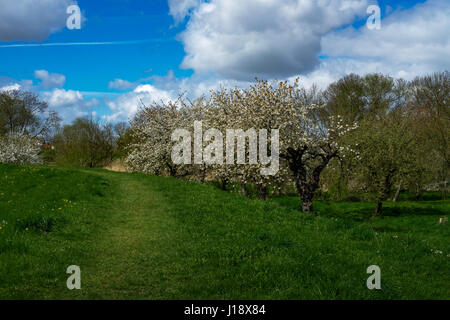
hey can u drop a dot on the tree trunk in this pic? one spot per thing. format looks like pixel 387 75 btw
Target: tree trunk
pixel 397 193
pixel 224 184
pixel 378 209
pixel 444 189
pixel 244 189
pixel 203 175
pixel 306 193
pixel 306 178
pixel 418 194
pixel 306 203
pixel 383 193
pixel 172 172
pixel 262 192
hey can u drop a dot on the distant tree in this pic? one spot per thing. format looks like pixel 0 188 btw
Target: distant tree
pixel 346 97
pixel 430 104
pixel 121 128
pixel 124 139
pixel 385 151
pixel 84 143
pixel 24 113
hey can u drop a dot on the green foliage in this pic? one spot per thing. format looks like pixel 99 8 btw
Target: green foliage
pixel 123 143
pixel 48 154
pixel 391 147
pixel 84 143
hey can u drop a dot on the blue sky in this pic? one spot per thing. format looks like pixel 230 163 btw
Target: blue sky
pixel 165 47
pixel 90 68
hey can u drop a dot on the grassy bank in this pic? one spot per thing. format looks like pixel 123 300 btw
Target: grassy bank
pixel 139 236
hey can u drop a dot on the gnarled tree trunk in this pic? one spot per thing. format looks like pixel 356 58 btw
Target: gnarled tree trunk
pixel 262 190
pixel 385 189
pixel 378 209
pixel 244 189
pixel 223 185
pixel 307 183
pixel 306 203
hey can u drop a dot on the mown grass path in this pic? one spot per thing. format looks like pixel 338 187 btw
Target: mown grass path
pixel 128 257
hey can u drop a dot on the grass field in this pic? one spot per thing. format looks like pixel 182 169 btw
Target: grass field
pixel 136 236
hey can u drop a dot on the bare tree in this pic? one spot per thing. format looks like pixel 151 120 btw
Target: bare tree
pixel 22 112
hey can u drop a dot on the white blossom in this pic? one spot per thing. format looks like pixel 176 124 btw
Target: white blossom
pixel 20 149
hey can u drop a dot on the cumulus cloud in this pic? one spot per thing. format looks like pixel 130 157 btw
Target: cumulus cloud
pixel 125 106
pixel 179 9
pixel 69 104
pixel 409 42
pixel 238 40
pixel 50 80
pixel 331 70
pixel 121 84
pixel 7 84
pixel 10 87
pixel 31 20
pixel 242 39
pixel 61 97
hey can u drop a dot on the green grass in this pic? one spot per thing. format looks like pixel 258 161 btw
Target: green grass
pixel 143 237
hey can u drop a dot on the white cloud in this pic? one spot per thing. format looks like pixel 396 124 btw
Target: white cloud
pixel 179 9
pixel 121 84
pixel 125 106
pixel 409 43
pixel 331 70
pixel 265 38
pixel 61 97
pixel 31 20
pixel 7 84
pixel 238 40
pixel 50 80
pixel 10 87
pixel 69 104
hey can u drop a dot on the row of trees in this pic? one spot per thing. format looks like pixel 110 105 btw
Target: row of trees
pixel 307 141
pixel 370 134
pixel 403 133
pixel 366 133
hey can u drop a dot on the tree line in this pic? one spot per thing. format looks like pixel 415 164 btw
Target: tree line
pixel 368 133
pixel 32 134
pixel 363 134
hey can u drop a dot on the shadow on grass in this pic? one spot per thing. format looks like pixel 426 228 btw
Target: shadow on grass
pixel 413 211
pixel 364 210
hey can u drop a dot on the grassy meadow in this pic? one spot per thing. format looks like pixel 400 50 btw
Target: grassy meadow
pixel 138 236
